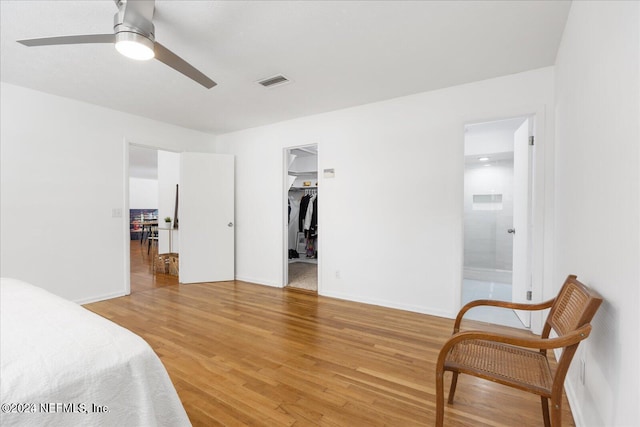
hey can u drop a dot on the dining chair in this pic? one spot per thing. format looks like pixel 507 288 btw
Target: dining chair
pixel 152 238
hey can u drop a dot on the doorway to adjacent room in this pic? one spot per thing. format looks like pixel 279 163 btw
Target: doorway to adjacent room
pixel 497 217
pixel 150 201
pixel 193 189
pixel 301 219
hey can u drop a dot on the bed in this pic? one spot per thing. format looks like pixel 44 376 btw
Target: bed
pixel 64 365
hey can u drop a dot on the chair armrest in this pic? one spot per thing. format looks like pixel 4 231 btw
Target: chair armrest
pixel 534 342
pixel 500 304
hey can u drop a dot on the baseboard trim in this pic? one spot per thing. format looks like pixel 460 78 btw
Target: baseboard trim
pixel 90 300
pixel 258 281
pixel 388 304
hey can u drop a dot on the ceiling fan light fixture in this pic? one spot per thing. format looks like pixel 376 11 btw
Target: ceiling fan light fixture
pixel 134 46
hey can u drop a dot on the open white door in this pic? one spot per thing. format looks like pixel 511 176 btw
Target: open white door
pixel 206 216
pixel 521 220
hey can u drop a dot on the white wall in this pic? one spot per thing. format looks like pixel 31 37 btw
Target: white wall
pixel 63 172
pixel 143 193
pixel 391 220
pixel 597 201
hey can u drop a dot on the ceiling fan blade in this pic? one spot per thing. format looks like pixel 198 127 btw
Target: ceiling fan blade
pixel 169 58
pixel 86 38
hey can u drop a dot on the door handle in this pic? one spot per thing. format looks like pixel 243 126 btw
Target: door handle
pixel 230 224
pixel 511 231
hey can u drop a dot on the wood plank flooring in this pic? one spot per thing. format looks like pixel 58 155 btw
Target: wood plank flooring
pixel 142 277
pixel 245 354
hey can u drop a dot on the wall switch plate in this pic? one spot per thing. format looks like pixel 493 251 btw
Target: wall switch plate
pixel 116 213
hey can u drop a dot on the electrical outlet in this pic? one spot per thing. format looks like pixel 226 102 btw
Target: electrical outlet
pixel 582 370
pixel 337 274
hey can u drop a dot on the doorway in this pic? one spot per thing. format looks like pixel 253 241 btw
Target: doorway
pixel 195 190
pixel 497 206
pixel 153 175
pixel 301 219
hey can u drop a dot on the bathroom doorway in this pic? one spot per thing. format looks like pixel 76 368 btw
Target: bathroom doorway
pixel 497 217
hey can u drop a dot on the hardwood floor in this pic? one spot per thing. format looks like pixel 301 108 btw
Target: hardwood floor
pixel 142 277
pixel 245 354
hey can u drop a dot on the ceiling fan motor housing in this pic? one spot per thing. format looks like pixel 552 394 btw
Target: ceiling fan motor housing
pixel 127 21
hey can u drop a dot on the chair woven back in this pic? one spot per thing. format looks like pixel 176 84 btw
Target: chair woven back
pixel 574 307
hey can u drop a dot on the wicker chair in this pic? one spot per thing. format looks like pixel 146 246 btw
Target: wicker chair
pixel 517 361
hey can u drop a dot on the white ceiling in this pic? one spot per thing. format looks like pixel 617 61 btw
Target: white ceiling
pixel 338 54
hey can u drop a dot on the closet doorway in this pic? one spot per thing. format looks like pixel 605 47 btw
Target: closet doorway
pixel 301 218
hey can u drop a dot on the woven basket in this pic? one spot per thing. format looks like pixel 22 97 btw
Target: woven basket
pixel 161 263
pixel 174 264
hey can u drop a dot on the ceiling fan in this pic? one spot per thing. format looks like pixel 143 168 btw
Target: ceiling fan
pixel 133 35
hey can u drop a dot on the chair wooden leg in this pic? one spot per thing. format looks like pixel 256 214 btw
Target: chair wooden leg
pixel 439 398
pixel 454 383
pixel 545 411
pixel 556 412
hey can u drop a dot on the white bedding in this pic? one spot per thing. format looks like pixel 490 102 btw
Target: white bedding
pixel 61 364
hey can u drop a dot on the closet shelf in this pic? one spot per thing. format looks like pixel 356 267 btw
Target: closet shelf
pixel 309 173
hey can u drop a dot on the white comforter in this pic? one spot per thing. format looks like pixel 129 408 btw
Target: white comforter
pixel 63 365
